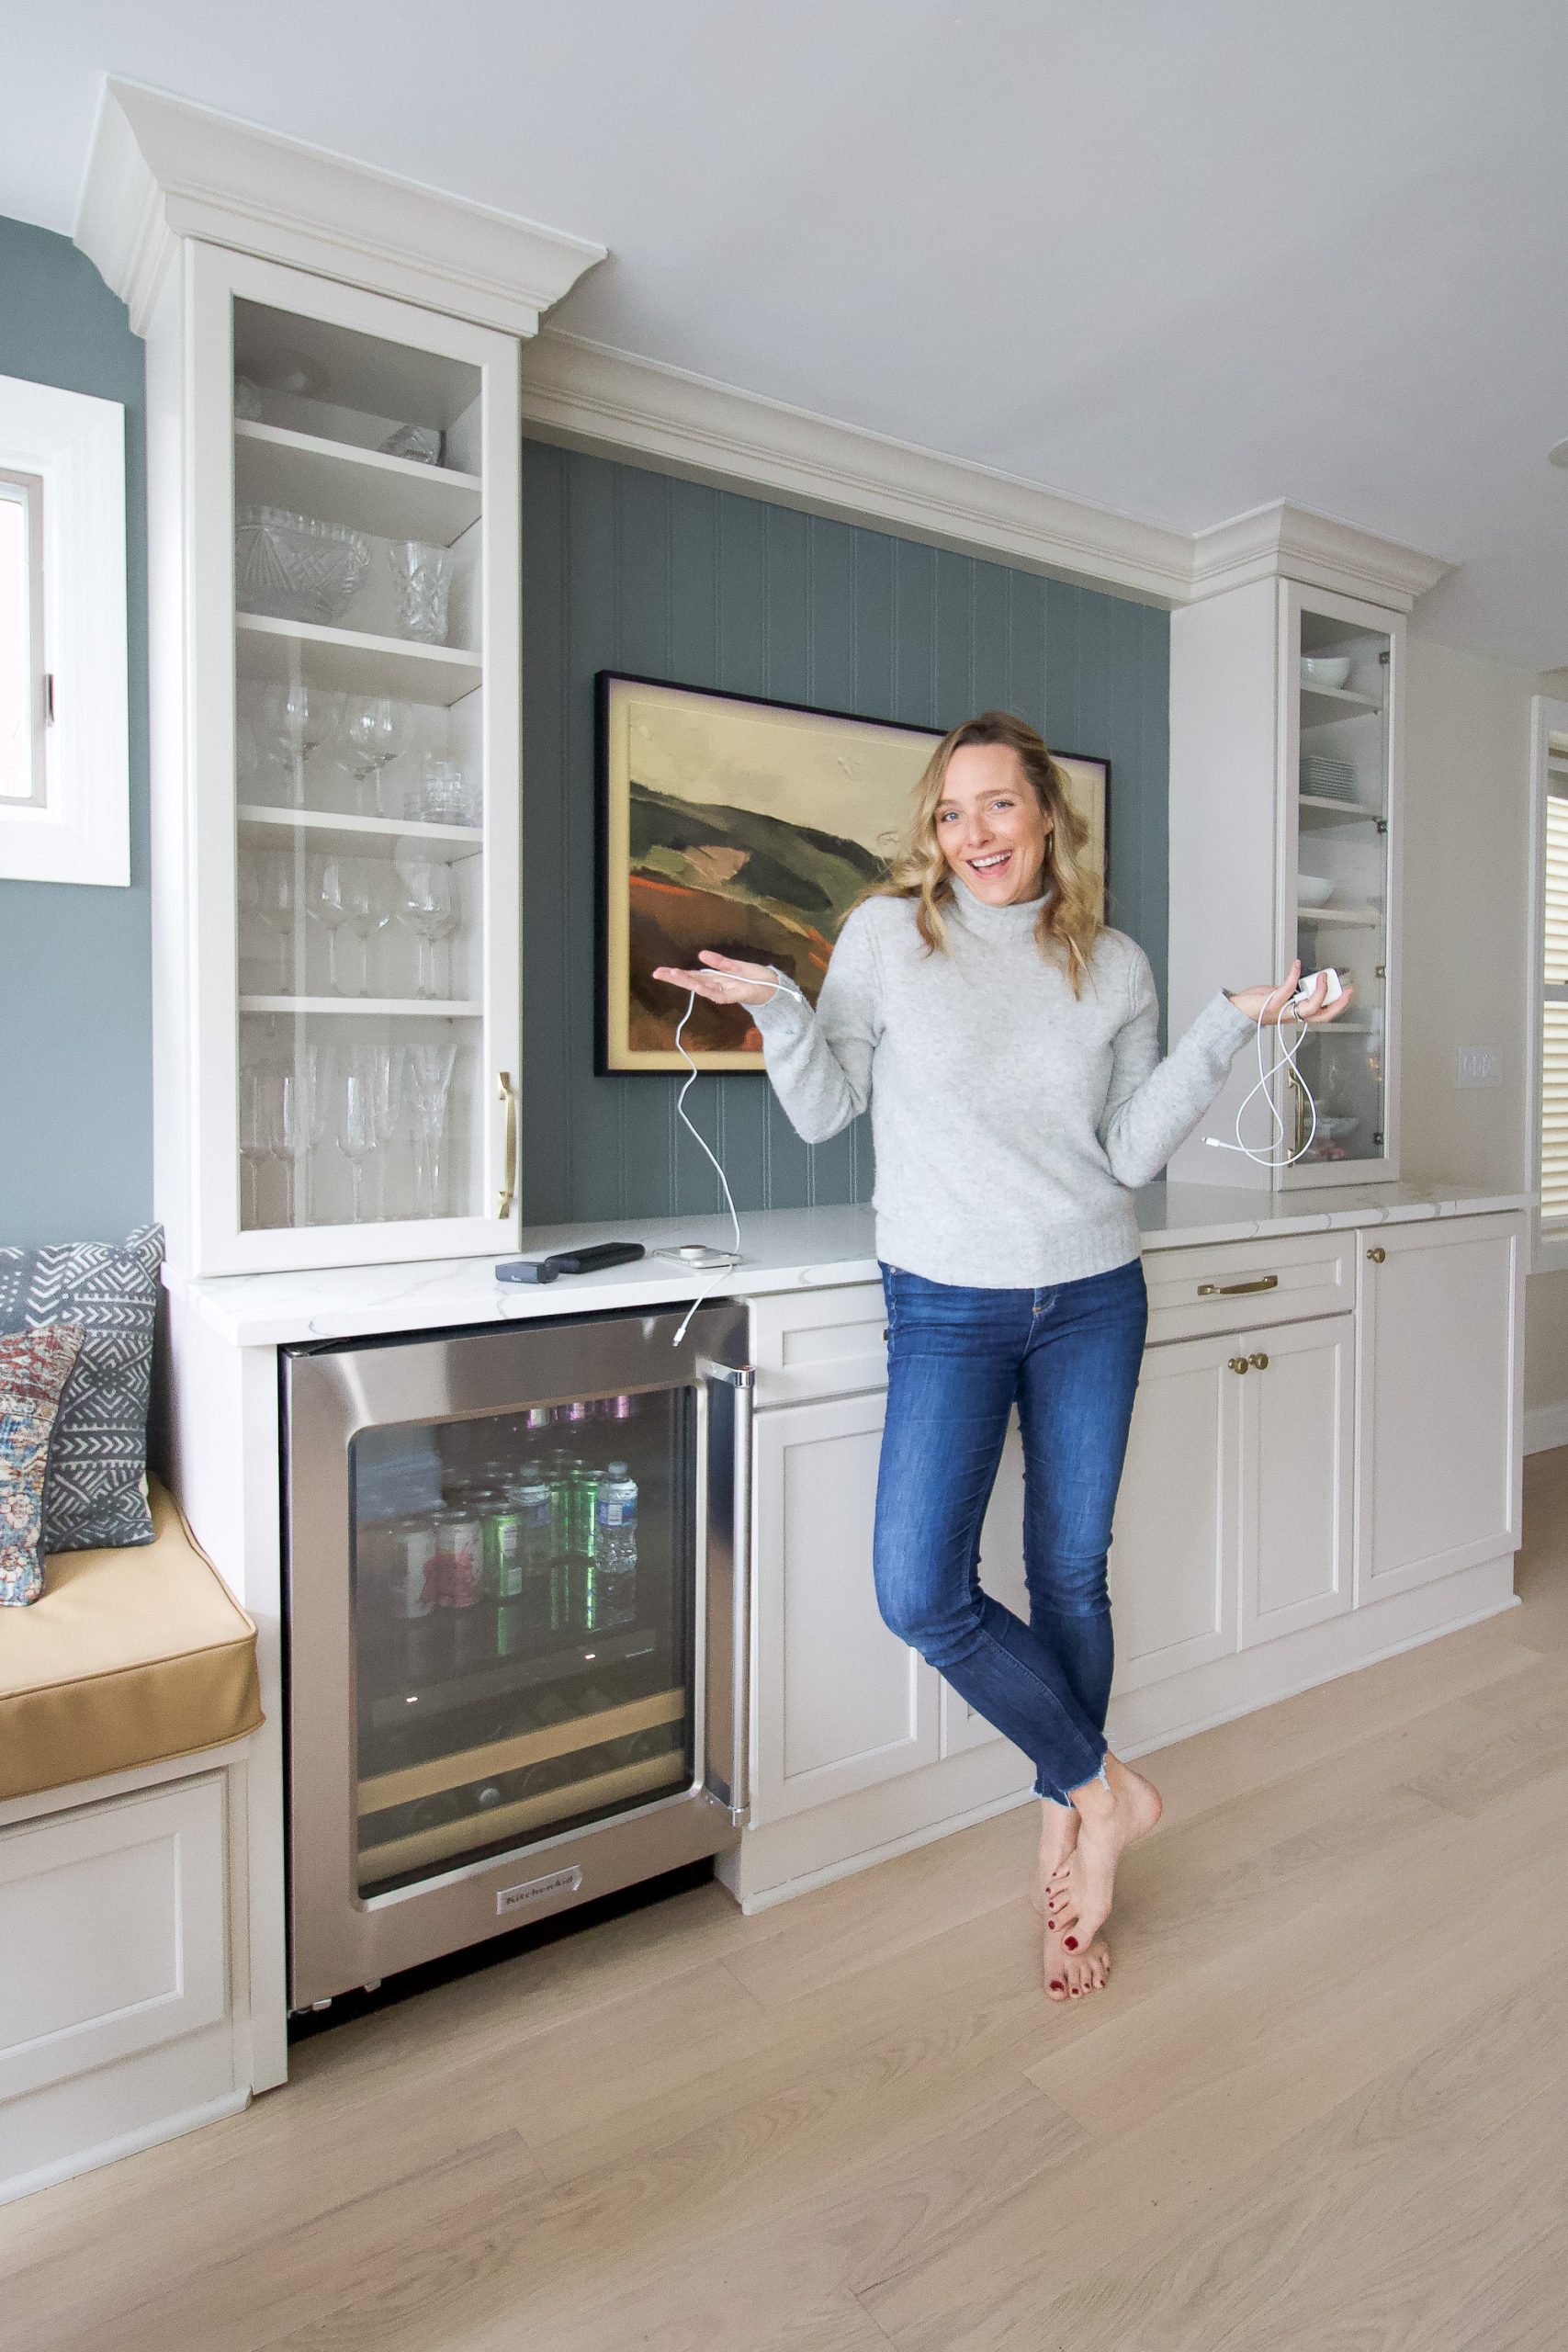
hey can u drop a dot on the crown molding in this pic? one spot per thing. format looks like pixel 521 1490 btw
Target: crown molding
pixel 160 169
pixel 591 396
pixel 1290 542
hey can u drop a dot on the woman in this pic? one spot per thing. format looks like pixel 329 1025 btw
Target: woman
pixel 1007 1042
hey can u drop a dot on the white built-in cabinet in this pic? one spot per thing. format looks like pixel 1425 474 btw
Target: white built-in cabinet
pixel 337 812
pixel 1286 772
pixel 1323 1464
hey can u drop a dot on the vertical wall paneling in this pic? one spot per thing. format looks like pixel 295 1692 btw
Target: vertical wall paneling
pixel 626 568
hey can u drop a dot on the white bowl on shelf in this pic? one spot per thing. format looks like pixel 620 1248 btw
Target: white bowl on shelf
pixel 1324 668
pixel 1314 889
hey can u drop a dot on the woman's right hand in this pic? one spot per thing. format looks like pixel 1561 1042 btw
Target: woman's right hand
pixel 723 981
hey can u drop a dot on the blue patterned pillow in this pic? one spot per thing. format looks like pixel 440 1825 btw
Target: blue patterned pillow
pixel 34 1368
pixel 97 1458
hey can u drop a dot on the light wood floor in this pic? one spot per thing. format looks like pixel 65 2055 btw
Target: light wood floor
pixel 1324 2103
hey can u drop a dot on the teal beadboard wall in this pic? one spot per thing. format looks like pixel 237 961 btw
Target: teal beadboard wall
pixel 625 569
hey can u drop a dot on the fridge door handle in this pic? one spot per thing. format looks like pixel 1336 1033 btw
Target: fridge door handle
pixel 740 1381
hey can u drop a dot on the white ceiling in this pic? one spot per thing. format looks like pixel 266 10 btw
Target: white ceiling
pixel 1178 257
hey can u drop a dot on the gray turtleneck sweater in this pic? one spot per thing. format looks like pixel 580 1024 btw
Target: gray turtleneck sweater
pixel 1012 1121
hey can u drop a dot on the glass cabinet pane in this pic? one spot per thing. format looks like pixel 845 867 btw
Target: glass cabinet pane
pixel 358 717
pixel 522 1625
pixel 1343 679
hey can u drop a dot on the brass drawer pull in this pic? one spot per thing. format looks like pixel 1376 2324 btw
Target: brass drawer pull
pixel 1260 1361
pixel 1238 1363
pixel 1234 1290
pixel 1377 1256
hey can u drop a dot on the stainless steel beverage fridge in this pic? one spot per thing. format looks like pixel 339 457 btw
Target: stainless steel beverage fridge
pixel 518 1626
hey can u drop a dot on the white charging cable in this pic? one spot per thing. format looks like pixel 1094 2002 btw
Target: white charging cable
pixel 1263 1086
pixel 733 1258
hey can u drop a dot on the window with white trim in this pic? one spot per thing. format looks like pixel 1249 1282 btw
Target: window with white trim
pixel 64 751
pixel 24 681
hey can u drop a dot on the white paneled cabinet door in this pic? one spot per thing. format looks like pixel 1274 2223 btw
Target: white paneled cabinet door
pixel 842 1703
pixel 351 789
pixel 1001 1574
pixel 1441 1385
pixel 1297 1398
pixel 1175 1557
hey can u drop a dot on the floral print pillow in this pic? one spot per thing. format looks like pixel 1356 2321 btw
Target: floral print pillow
pixel 34 1369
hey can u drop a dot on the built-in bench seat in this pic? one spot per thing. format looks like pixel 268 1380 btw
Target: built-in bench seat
pixel 128 1691
pixel 128 1658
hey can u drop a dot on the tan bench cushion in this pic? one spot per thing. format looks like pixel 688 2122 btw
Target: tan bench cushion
pixel 131 1656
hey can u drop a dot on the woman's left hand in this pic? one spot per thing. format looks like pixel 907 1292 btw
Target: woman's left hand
pixel 1266 1005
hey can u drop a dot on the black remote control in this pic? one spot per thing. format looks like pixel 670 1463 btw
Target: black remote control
pixel 570 1262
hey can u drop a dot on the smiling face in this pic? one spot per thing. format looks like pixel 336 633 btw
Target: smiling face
pixel 990 824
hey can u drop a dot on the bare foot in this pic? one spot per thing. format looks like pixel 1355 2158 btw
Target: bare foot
pixel 1070 1975
pixel 1111 1815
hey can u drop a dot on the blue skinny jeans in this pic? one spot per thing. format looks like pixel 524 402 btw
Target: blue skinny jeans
pixel 958 1359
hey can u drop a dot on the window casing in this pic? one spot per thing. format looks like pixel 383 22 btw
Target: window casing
pixel 24 679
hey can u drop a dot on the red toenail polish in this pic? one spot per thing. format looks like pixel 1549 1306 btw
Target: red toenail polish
pixel 1055 1984
pixel 1071 1942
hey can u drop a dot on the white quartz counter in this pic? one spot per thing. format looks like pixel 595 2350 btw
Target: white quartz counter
pixel 785 1248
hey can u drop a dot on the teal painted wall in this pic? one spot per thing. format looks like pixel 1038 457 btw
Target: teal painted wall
pixel 76 979
pixel 628 569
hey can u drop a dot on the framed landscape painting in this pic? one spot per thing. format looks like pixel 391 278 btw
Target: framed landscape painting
pixel 746 826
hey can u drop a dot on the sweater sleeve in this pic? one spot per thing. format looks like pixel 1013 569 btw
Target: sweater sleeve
pixel 1152 1105
pixel 819 1062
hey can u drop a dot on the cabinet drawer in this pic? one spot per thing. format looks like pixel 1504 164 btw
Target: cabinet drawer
pixel 819 1343
pixel 1233 1286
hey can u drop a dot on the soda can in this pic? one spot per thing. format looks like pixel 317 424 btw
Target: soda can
pixel 461 1554
pixel 413 1550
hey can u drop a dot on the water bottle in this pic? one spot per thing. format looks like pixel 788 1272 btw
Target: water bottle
pixel 616 1551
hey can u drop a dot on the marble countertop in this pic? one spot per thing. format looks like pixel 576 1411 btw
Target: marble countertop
pixel 783 1249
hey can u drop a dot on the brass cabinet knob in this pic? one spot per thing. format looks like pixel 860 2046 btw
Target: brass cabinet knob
pixel 1377 1256
pixel 1260 1361
pixel 1238 1363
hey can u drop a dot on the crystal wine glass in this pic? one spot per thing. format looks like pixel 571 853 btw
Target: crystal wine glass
pixel 428 1070
pixel 299 718
pixel 278 905
pixel 328 904
pixel 357 1132
pixel 374 730
pixel 367 899
pixel 426 906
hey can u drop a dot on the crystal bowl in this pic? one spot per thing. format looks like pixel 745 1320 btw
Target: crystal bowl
pixel 294 568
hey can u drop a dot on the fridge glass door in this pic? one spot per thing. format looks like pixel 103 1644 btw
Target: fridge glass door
pixel 522 1625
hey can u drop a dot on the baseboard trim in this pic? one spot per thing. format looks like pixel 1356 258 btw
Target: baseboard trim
pixel 129 2143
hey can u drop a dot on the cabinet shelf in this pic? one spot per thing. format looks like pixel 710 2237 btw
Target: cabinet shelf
pixel 345 836
pixel 424 1008
pixel 1363 918
pixel 1324 705
pixel 346 660
pixel 365 489
pixel 1338 807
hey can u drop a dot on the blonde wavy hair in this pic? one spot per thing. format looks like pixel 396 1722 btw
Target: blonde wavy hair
pixel 1072 917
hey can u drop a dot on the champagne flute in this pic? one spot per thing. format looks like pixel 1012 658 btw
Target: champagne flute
pixel 298 1123
pixel 425 907
pixel 429 1075
pixel 373 730
pixel 256 1135
pixel 389 1103
pixel 329 903
pixel 278 905
pixel 356 1136
pixel 368 901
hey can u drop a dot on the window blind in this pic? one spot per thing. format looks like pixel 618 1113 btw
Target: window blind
pixel 1554 1010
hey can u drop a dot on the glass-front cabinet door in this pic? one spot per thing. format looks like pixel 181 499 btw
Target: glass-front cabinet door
pixel 1341 669
pixel 357 789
